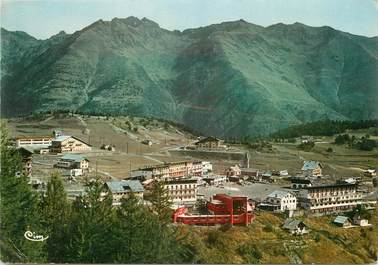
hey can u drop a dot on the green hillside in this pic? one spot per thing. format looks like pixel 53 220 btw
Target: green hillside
pixel 230 79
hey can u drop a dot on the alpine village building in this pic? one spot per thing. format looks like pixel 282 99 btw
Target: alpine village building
pixel 182 191
pixel 123 189
pixel 330 198
pixel 209 143
pixel 312 168
pixel 67 143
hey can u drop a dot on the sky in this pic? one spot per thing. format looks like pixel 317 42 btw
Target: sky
pixel 44 18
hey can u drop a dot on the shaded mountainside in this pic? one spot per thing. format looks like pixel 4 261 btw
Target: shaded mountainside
pixel 229 79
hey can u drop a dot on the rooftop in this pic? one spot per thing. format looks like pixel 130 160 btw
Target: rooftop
pixel 62 138
pixel 278 194
pixel 341 219
pixel 292 224
pixel 310 165
pixel 336 185
pixel 125 186
pixel 75 157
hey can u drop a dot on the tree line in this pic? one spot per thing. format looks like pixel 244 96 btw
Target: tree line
pixel 86 230
pixel 323 128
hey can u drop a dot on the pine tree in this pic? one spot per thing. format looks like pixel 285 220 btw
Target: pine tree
pixel 92 227
pixel 161 202
pixel 55 211
pixel 18 208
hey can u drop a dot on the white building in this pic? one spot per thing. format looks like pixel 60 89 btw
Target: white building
pixel 33 141
pixel 73 161
pixel 284 200
pixel 330 198
pixel 182 191
pixel 207 167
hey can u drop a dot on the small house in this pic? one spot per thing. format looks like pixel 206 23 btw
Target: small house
pixel 342 221
pixel 284 200
pixel 357 220
pixel 312 168
pixel 73 161
pixel 123 189
pixel 209 143
pixel 233 171
pixel 295 227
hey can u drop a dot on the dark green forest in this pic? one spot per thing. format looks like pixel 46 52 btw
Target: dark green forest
pixel 323 128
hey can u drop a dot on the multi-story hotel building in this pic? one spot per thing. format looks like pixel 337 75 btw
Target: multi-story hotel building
pixel 169 171
pixel 182 191
pixel 324 199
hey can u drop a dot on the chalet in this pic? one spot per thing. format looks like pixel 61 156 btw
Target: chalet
pixel 233 171
pixel 182 191
pixel 123 189
pixel 329 198
pixel 27 161
pixel 281 200
pixel 342 221
pixel 67 143
pixel 312 168
pixel 209 143
pixel 295 227
pixel 73 161
pixel 33 141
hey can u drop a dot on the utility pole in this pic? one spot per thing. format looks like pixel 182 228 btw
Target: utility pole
pixel 96 168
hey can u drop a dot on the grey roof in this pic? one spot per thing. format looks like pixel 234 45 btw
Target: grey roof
pixel 310 165
pixel 125 186
pixel 341 219
pixel 278 194
pixel 291 224
pixel 75 157
pixel 62 138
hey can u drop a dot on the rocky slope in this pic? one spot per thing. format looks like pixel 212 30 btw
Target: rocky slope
pixel 229 79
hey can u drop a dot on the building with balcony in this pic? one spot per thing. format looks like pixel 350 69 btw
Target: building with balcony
pixel 182 191
pixel 329 198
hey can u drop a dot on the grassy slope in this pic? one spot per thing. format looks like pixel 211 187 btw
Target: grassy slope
pixel 326 243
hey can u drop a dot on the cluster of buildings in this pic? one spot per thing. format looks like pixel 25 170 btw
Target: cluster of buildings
pixel 56 144
pixel 180 179
pixel 71 163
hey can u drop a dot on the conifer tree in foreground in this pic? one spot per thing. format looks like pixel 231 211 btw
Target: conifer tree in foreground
pixel 18 208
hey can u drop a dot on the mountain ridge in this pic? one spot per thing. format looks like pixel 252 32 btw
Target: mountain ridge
pixel 229 79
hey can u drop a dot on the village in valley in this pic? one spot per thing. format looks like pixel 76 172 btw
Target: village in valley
pixel 209 182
